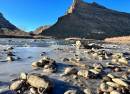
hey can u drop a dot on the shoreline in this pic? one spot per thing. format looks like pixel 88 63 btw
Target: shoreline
pixel 25 37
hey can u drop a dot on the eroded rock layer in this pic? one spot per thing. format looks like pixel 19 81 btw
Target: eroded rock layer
pixel 90 20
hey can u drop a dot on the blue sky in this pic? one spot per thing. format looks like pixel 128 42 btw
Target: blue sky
pixel 30 14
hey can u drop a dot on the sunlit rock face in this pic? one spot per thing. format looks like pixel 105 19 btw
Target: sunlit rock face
pixel 41 29
pixel 90 20
pixel 74 5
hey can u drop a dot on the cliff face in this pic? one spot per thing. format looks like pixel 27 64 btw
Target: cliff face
pixel 41 29
pixel 90 20
pixel 6 28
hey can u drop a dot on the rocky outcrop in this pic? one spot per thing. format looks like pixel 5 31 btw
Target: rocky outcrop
pixel 41 29
pixel 90 20
pixel 8 29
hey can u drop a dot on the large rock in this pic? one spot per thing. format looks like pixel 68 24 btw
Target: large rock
pixel 90 20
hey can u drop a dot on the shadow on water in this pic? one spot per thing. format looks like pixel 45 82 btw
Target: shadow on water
pixel 61 66
pixel 61 87
pixel 4 88
pixel 8 92
pixel 4 84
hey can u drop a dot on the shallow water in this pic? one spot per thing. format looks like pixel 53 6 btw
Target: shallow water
pixel 27 54
pixel 29 51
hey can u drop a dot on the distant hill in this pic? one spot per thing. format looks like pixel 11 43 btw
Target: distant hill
pixel 8 29
pixel 90 20
pixel 41 29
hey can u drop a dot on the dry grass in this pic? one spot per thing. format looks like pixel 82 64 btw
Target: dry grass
pixel 123 39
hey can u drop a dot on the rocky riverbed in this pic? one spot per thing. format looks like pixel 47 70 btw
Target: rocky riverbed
pixel 77 70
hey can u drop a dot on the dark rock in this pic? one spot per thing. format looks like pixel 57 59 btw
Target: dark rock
pixel 91 21
pixel 8 29
pixel 10 54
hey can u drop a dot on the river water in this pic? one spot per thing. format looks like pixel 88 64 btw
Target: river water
pixel 29 50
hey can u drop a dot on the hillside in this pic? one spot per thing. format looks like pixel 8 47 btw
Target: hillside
pixel 90 20
pixel 8 29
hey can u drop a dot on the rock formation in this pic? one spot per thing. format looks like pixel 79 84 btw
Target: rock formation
pixel 90 20
pixel 40 29
pixel 7 29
